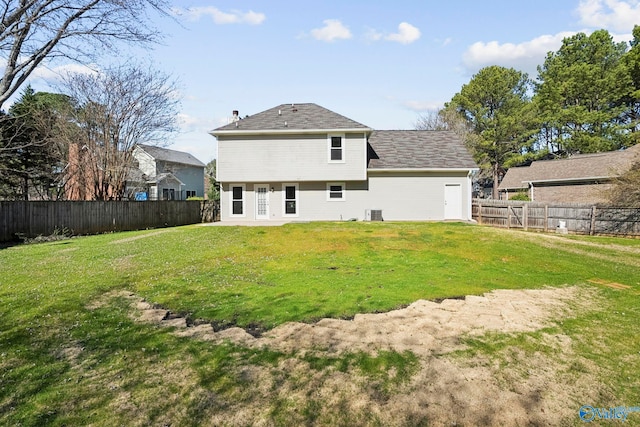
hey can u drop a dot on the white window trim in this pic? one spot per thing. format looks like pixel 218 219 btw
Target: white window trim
pixel 343 148
pixel 284 200
pixel 344 191
pixel 244 200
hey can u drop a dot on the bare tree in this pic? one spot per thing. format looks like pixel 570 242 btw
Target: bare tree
pixel 443 119
pixel 34 30
pixel 625 189
pixel 115 110
pixel 431 120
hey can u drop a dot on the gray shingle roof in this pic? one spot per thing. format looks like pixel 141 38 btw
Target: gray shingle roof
pixel 418 149
pixel 293 117
pixel 173 156
pixel 577 167
pixel 515 178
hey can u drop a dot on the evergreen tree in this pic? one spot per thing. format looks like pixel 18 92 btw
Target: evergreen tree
pixel 580 92
pixel 31 158
pixel 496 105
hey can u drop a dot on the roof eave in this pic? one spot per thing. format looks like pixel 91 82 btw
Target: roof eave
pixel 458 169
pixel 241 132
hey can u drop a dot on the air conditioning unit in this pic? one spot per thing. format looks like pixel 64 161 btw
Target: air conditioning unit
pixel 373 215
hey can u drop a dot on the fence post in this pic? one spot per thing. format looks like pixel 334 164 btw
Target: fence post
pixel 508 216
pixel 525 216
pixel 592 230
pixel 480 212
pixel 546 218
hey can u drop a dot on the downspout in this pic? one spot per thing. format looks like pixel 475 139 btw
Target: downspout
pixel 470 193
pixel 531 191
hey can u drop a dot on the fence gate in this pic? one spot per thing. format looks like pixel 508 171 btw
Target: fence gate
pixel 515 217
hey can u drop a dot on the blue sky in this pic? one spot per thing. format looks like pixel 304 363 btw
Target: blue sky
pixel 382 63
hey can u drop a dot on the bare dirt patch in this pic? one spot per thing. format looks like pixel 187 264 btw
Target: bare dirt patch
pixel 507 388
pixel 424 327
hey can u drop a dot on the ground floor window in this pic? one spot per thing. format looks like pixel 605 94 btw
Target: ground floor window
pixel 168 194
pixel 290 199
pixel 335 191
pixel 237 200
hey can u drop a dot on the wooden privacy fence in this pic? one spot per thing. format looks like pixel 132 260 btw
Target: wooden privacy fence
pixel 576 218
pixel 20 219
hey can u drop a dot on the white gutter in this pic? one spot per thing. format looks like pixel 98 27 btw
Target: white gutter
pixel 587 178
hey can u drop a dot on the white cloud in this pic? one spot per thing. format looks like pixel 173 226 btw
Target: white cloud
pixel 333 30
pixel 54 74
pixel 220 17
pixel 406 34
pixel 525 56
pixel 616 15
pixel 422 106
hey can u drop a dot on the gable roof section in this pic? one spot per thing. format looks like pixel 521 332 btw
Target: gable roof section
pixel 580 167
pixel 173 156
pixel 292 117
pixel 516 178
pixel 417 149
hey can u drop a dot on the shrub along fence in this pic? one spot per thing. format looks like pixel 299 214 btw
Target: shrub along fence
pixel 22 219
pixel 569 217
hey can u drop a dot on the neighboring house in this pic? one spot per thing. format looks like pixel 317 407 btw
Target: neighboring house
pixel 582 178
pixel 304 162
pixel 167 174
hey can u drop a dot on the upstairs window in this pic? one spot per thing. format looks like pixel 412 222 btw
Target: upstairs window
pixel 336 148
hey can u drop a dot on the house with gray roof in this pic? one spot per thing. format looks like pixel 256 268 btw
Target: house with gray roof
pixel 165 174
pixel 304 162
pixel 581 178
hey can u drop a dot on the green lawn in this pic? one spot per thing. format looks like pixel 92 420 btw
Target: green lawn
pixel 62 363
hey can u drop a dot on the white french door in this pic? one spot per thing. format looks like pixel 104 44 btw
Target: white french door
pixel 262 201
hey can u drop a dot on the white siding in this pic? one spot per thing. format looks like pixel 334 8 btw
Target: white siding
pixel 146 163
pixel 416 197
pixel 400 196
pixel 294 158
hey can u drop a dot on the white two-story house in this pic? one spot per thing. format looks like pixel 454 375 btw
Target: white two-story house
pixel 304 162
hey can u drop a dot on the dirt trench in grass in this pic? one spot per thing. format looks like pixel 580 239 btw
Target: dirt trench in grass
pixel 510 387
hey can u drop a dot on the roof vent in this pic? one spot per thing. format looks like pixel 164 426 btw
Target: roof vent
pixel 279 112
pixel 285 124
